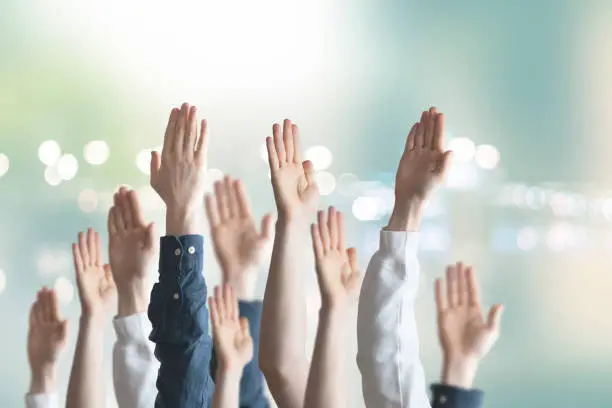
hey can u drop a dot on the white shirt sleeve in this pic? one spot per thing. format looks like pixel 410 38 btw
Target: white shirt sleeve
pixel 387 339
pixel 41 401
pixel 134 364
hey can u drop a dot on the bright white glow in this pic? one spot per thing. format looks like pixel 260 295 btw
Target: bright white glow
pixel 348 184
pixel 49 152
pixel 143 161
pixel 67 167
pixel 462 176
pixel 527 239
pixel 88 200
pixel 535 198
pixel 64 289
pixel 463 149
pixel 368 208
pixel 326 182
pixel 209 42
pixel 561 237
pixel 263 152
pixel 606 209
pixel 434 238
pixel 2 281
pixel 320 156
pixel 149 199
pixel 52 176
pixel 96 152
pixel 53 262
pixel 487 156
pixel 4 164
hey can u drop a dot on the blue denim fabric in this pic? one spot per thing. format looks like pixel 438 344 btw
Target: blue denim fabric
pixel 179 317
pixel 252 386
pixel 444 396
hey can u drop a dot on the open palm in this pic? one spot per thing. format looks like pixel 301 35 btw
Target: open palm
pixel 463 331
pixel 295 190
pixel 233 341
pixel 424 163
pixel 94 279
pixel 47 333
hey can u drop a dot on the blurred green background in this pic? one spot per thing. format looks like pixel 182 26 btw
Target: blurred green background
pixel 525 86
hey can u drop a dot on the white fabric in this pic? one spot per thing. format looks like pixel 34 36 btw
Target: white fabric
pixel 42 400
pixel 387 339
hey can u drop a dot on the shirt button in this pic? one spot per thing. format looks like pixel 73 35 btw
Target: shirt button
pixel 176 296
pixel 191 250
pixel 442 399
pixel 177 251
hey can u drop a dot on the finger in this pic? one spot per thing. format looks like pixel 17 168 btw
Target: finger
pixel 108 277
pixel 323 230
pixel 288 140
pixel 40 314
pixel 272 156
pixel 154 167
pixel 242 199
pixel 431 128
pixel 461 285
pixel 244 327
pixel 438 136
pixel 419 137
pixel 169 135
pixel 341 233
pixel 126 209
pixel 232 200
pixel 181 129
pixel 97 248
pixel 191 133
pixel 410 140
pixel 494 318
pixel 267 223
pixel 135 209
pixel 214 312
pixel 55 309
pixel 45 306
pixel 440 298
pixel 473 290
pixel 297 151
pixel 279 144
pixel 83 249
pixel 78 260
pixel 111 222
pixel 451 286
pixel 222 205
pixel 212 212
pixel 308 168
pixel 120 219
pixel 332 227
pixel 220 303
pixel 317 244
pixel 202 144
pixel 32 317
pixel 351 254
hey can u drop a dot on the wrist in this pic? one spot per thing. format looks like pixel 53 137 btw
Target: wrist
pixel 43 380
pixel 132 298
pixel 92 319
pixel 182 220
pixel 406 215
pixel 228 369
pixel 459 372
pixel 243 282
pixel 333 311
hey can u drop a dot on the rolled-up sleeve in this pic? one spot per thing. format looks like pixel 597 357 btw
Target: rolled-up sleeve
pixel 387 338
pixel 42 400
pixel 179 319
pixel 445 396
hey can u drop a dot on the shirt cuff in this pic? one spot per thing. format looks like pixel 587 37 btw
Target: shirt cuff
pixel 174 252
pixel 455 397
pixel 41 400
pixel 399 242
pixel 132 328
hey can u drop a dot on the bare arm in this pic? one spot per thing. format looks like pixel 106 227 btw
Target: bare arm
pixel 282 351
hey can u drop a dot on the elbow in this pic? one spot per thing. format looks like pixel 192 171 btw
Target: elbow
pixel 277 371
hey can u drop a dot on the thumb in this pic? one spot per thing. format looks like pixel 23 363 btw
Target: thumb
pixel 445 164
pixel 155 164
pixel 108 277
pixel 64 325
pixel 311 188
pixel 244 327
pixel 494 318
pixel 266 226
pixel 150 235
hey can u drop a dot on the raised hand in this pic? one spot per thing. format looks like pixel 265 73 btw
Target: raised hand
pixel 421 170
pixel 337 271
pixel 237 243
pixel 465 335
pixel 231 335
pixel 178 173
pixel 94 279
pixel 132 250
pixel 295 190
pixel 47 336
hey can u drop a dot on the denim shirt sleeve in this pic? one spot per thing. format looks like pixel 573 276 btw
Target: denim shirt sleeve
pixel 252 386
pixel 179 320
pixel 445 396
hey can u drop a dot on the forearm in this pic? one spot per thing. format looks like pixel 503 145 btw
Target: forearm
pixel 282 352
pixel 85 388
pixel 133 298
pixel 227 389
pixel 326 384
